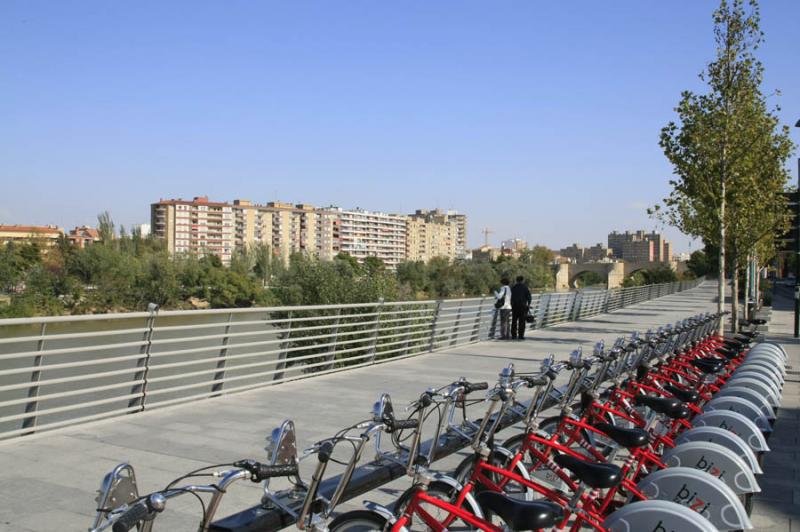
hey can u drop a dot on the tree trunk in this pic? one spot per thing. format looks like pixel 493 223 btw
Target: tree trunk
pixel 734 295
pixel 747 282
pixel 721 276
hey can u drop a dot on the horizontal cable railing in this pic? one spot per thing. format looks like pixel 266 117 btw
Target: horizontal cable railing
pixel 59 371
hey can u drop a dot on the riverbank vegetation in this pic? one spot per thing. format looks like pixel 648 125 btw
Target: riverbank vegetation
pixel 125 272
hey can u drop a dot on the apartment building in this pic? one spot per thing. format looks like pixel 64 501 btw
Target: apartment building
pixel 640 246
pixel 287 228
pixel 365 234
pixel 433 233
pixel 200 226
pixel 45 235
pixel 196 226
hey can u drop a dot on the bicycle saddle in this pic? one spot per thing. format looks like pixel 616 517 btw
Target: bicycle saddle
pixel 730 354
pixel 708 365
pixel 687 396
pixel 521 515
pixel 593 474
pixel 672 408
pixel 628 438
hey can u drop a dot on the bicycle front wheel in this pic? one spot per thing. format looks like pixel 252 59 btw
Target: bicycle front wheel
pixel 358 521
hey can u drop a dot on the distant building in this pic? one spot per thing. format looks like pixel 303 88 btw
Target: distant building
pixel 513 246
pixel 578 254
pixel 199 226
pixel 44 235
pixel 639 246
pixel 365 234
pixel 144 230
pixel 83 236
pixel 485 254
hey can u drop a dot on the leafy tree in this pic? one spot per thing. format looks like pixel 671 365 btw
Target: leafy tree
pixel 711 146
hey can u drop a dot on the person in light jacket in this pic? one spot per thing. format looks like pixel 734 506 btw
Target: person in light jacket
pixel 505 310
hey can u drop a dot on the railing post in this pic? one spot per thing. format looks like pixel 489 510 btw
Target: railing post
pixel 606 300
pixel 219 375
pixel 454 336
pixel 144 366
pixel 432 339
pixel 544 304
pixel 281 365
pixel 33 392
pixel 376 332
pixel 476 327
pixel 332 351
pixel 575 311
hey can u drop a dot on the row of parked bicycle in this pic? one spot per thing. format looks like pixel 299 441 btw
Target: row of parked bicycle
pixel 663 432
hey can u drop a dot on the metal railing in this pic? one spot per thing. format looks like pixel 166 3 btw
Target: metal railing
pixel 59 371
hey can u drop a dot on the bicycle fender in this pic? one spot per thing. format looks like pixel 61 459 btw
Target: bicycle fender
pixel 456 485
pixel 656 516
pixel 758 387
pixel 735 423
pixel 760 376
pixel 727 439
pixel 770 347
pixel 742 406
pixel 700 492
pixel 748 394
pixel 768 358
pixel 715 460
pixel 383 512
pixel 766 367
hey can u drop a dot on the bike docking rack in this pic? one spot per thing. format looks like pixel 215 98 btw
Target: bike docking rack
pixel 282 509
pixel 691 458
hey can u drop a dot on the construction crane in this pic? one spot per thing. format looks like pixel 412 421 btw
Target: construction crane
pixel 486 232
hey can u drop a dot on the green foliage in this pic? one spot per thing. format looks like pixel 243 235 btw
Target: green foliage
pixel 702 263
pixel 664 274
pixel 585 279
pixel 728 151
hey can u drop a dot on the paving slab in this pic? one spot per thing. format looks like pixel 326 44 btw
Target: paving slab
pixel 50 478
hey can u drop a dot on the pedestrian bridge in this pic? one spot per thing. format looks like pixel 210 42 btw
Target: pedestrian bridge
pixel 614 272
pixel 52 470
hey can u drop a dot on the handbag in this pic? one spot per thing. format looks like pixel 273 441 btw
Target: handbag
pixel 501 301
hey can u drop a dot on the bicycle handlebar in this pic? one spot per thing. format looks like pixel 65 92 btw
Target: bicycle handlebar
pixel 133 515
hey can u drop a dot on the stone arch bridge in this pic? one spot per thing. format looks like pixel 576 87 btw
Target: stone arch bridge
pixel 613 272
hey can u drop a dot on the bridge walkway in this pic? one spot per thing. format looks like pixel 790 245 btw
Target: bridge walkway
pixel 50 479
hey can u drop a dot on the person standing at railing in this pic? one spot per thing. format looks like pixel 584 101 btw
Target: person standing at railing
pixel 520 303
pixel 503 306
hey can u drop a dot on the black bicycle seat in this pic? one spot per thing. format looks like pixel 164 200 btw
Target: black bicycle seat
pixel 730 354
pixel 521 515
pixel 628 438
pixel 708 365
pixel 672 408
pixel 687 396
pixel 593 474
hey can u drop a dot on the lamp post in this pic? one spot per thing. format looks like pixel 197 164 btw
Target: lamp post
pixel 797 253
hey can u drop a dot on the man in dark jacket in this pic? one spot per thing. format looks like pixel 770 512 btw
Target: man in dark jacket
pixel 520 303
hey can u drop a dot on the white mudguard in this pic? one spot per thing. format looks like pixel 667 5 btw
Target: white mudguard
pixel 700 492
pixel 758 375
pixel 737 424
pixel 742 406
pixel 657 516
pixel 769 358
pixel 717 461
pixel 723 437
pixel 770 347
pixel 765 366
pixel 750 395
pixel 758 387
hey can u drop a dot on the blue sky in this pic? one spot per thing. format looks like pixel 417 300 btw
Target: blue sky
pixel 538 119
